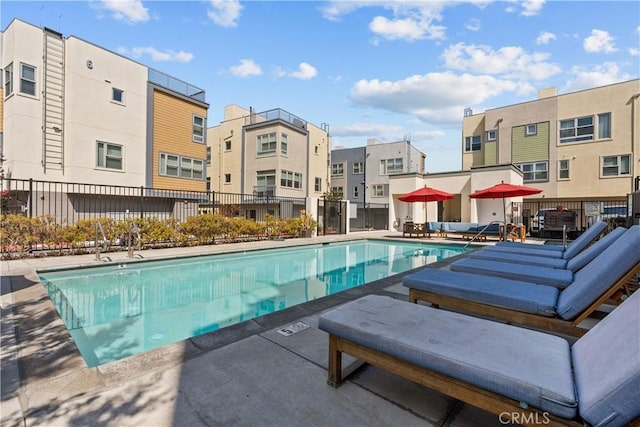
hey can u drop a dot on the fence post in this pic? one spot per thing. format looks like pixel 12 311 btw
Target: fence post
pixel 30 199
pixel 141 201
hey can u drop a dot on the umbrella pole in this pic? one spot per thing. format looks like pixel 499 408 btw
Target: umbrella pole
pixel 504 216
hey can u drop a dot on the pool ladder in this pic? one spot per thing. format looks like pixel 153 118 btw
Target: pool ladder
pixel 104 240
pixel 484 228
pixel 133 228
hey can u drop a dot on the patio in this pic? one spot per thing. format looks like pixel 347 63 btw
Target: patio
pixel 247 374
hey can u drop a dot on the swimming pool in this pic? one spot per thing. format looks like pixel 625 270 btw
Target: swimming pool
pixel 118 310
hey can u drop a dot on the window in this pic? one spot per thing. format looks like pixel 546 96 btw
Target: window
pixel 316 149
pixel 227 178
pixel 377 190
pixel 290 179
pixel 491 135
pixel 531 130
pixel 208 184
pixel 28 79
pixel 117 95
pixel 109 156
pixel 227 145
pixel 357 168
pixel 616 165
pixel 208 155
pixel 534 171
pixel 356 193
pixel 198 129
pixel 181 167
pixel 317 186
pixel 265 182
pixel 472 143
pixel 390 166
pixel 337 169
pixel 563 169
pixel 283 144
pixel 267 143
pixel 337 191
pixel 8 80
pixel 576 130
pixel 604 125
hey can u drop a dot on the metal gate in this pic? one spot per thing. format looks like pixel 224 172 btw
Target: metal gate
pixel 332 217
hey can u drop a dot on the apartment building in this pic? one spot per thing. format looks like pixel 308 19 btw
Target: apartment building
pixel 580 145
pixel 361 175
pixel 267 154
pixel 75 112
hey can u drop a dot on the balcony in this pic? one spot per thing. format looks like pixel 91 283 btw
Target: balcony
pixel 176 85
pixel 264 190
pixel 276 114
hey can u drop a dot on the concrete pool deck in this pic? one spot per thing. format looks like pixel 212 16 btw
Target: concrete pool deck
pixel 246 374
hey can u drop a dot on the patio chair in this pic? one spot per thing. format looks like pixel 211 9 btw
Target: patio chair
pixel 553 251
pixel 574 264
pixel 512 372
pixel 530 304
pixel 559 277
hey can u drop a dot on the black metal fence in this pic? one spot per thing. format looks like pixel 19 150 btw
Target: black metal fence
pixel 580 214
pixel 68 203
pixel 365 216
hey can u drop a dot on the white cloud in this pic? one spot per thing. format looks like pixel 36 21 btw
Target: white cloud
pixel 130 11
pixel 406 29
pixel 246 68
pixel 225 13
pixel 599 41
pixel 633 51
pixel 509 61
pixel 545 37
pixel 156 55
pixel 366 129
pixel 473 25
pixel 601 75
pixel 304 72
pixel 532 7
pixel 434 97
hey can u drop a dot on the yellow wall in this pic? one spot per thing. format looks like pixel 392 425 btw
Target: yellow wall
pixel 172 134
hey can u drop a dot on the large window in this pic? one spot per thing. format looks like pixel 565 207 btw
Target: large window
pixel 284 145
pixel 267 143
pixel 604 125
pixel 576 130
pixel 472 143
pixel 109 156
pixel 616 165
pixel 563 169
pixel 377 190
pixel 265 182
pixel 181 167
pixel 537 171
pixel 337 169
pixel 358 168
pixel 8 80
pixel 290 179
pixel 198 129
pixel 337 191
pixel 28 79
pixel 390 166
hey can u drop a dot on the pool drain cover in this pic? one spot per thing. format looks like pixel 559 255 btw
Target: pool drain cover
pixel 292 329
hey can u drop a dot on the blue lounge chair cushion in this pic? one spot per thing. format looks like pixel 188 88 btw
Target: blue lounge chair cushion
pixel 583 258
pixel 606 365
pixel 525 365
pixel 547 253
pixel 512 294
pixel 518 258
pixel 599 275
pixel 528 273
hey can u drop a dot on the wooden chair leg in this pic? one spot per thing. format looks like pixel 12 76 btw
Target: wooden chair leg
pixel 335 363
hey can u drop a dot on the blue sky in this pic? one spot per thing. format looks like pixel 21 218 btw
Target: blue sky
pixel 369 69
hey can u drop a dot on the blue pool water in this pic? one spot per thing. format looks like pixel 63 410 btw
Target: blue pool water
pixel 116 311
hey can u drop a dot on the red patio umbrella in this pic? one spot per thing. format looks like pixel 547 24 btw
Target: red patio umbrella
pixel 503 191
pixel 426 194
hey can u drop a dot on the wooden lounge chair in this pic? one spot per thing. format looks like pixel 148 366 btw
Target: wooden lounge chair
pixel 512 372
pixel 530 304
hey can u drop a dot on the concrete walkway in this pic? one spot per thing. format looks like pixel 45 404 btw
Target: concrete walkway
pixel 243 375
